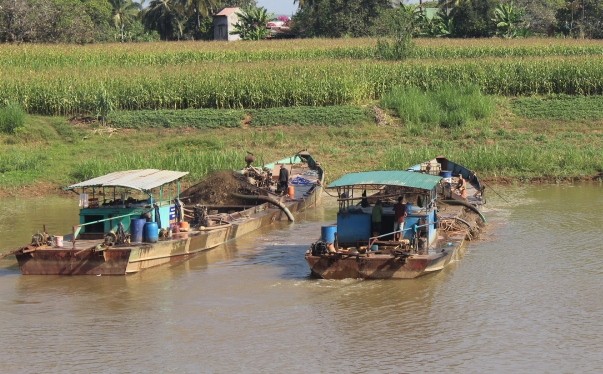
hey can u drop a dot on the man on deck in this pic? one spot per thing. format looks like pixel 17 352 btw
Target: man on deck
pixel 399 215
pixel 376 218
pixel 283 179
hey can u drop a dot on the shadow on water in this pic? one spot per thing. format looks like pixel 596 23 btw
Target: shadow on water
pixel 9 267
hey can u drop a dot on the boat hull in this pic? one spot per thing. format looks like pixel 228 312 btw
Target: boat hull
pixel 377 266
pixel 449 247
pixel 85 259
pixel 54 261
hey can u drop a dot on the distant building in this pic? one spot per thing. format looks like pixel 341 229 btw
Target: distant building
pixel 224 23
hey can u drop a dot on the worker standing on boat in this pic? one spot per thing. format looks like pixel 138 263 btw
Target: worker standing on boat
pixel 399 215
pixel 364 201
pixel 376 218
pixel 283 179
pixel 462 187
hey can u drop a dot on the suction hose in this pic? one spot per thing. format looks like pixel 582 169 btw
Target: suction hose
pixel 267 199
pixel 467 205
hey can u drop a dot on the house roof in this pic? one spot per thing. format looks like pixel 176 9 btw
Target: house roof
pixel 388 178
pixel 142 180
pixel 227 11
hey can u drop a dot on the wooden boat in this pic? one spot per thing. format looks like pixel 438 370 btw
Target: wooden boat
pixel 435 230
pixel 137 219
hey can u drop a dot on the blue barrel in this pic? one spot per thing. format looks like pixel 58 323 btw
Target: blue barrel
pixel 151 232
pixel 136 228
pixel 446 174
pixel 327 233
pixel 353 228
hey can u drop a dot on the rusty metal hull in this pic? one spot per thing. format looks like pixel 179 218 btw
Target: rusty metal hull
pixel 54 261
pixel 378 266
pixel 449 248
pixel 85 259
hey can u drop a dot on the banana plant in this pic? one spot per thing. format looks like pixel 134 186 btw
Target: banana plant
pixel 252 24
pixel 508 19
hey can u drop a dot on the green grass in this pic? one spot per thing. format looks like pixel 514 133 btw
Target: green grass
pixel 504 146
pixel 560 107
pixel 220 118
pixel 12 117
pixel 305 116
pixel 448 106
pixel 199 119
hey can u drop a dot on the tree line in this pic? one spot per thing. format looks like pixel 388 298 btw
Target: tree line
pixel 92 21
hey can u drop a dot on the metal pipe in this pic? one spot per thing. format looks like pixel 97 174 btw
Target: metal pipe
pixel 267 199
pixel 467 205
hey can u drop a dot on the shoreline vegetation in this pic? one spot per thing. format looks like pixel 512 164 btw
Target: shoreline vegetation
pixel 531 113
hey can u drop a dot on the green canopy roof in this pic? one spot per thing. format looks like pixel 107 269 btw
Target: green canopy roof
pixel 388 178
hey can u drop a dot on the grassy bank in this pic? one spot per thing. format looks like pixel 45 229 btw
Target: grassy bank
pixel 199 107
pixel 517 142
pixel 233 118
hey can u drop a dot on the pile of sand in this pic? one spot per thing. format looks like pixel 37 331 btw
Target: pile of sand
pixel 215 189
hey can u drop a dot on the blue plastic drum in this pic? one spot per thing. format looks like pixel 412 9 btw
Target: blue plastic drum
pixel 327 233
pixel 136 228
pixel 151 232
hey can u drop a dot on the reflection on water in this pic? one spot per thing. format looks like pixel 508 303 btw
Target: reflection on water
pixel 525 299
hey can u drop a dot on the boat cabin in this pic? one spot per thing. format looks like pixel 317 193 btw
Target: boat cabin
pixel 359 192
pixel 121 197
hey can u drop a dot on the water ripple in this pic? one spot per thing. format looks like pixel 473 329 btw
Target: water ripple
pixel 526 299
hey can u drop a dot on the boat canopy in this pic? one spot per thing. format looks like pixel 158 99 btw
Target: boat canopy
pixel 142 180
pixel 388 178
pixel 288 160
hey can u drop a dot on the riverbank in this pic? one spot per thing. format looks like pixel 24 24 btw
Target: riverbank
pixel 524 141
pixel 199 107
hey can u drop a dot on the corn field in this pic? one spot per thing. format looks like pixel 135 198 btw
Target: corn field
pixel 73 80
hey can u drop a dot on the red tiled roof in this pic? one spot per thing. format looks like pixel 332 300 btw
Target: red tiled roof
pixel 228 11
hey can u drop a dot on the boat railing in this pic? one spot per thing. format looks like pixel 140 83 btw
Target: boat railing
pixel 415 228
pixel 77 228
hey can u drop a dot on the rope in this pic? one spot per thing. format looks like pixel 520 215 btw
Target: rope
pixel 327 192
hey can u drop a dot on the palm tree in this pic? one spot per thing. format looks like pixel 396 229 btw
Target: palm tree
pixel 200 8
pixel 303 3
pixel 166 17
pixel 449 5
pixel 124 12
pixel 240 3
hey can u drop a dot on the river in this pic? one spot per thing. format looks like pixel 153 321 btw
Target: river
pixel 527 297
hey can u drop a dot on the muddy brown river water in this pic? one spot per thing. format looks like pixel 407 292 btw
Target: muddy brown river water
pixel 526 298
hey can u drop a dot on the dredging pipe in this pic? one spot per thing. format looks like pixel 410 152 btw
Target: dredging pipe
pixel 467 205
pixel 267 199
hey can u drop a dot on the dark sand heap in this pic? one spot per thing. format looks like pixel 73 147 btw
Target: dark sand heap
pixel 216 189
